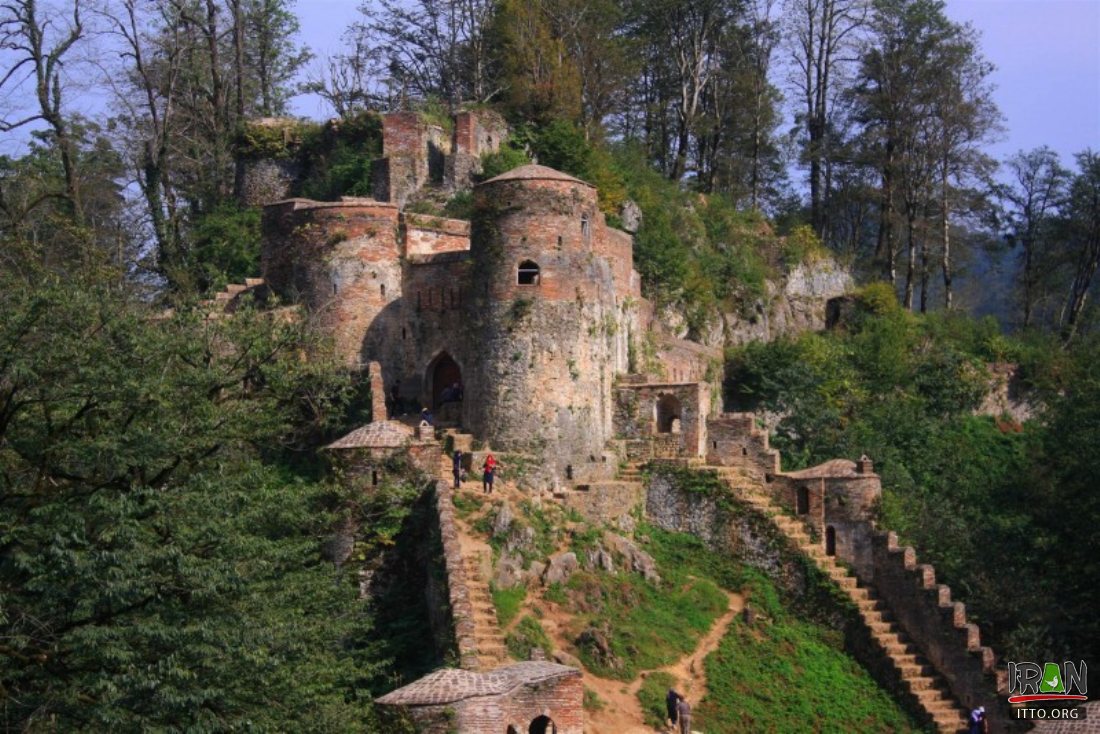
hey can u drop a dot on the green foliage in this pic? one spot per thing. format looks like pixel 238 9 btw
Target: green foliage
pixel 645 626
pixel 336 160
pixel 652 697
pixel 785 674
pixel 226 244
pixel 802 245
pixel 460 206
pixel 508 603
pixel 696 251
pixel 510 155
pixel 527 635
pixel 879 298
pixel 160 564
pixel 275 142
pixel 592 701
pixel 984 499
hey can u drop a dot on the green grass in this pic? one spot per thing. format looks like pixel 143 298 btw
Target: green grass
pixel 646 627
pixel 652 697
pixel 592 701
pixel 508 602
pixel 528 634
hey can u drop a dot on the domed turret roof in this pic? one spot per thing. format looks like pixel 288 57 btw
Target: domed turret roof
pixel 534 172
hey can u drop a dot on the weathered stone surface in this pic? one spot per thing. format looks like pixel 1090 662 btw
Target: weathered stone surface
pixel 630 214
pixel 509 572
pixel 503 522
pixel 560 567
pixel 634 558
pixel 599 559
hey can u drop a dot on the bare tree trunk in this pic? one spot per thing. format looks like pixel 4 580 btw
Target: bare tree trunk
pixel 945 224
pixel 911 253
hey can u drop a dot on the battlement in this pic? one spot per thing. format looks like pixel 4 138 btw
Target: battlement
pixel 940 628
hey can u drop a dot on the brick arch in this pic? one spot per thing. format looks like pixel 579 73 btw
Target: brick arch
pixel 542 725
pixel 668 413
pixel 442 372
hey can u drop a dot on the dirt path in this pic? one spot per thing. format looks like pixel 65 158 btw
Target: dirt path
pixel 622 713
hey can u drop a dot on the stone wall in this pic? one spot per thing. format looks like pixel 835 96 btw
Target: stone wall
pixel 558 337
pixel 733 439
pixel 476 133
pixel 267 180
pixel 643 409
pixel 458 592
pixel 940 629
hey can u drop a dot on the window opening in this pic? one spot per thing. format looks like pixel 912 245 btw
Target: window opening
pixel 528 273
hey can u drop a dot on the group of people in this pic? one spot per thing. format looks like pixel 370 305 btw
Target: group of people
pixel 679 712
pixel 489 469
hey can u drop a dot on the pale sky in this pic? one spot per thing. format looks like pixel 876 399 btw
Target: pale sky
pixel 1047 54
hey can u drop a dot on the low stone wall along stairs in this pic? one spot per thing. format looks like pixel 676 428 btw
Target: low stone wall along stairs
pixel 927 689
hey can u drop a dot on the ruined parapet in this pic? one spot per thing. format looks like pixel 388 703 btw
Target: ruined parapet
pixel 267 152
pixel 938 626
pixel 476 133
pixel 670 416
pixel 733 439
pixel 522 697
pixel 341 260
pixel 413 154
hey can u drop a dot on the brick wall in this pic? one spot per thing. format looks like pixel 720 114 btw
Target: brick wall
pixel 939 627
pixel 476 133
pixel 638 410
pixel 427 235
pixel 341 260
pixel 734 440
pixel 458 592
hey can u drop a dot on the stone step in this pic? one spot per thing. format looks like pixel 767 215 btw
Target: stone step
pixel 236 288
pixel 253 282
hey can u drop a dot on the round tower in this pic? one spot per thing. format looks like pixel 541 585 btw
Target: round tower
pixel 342 261
pixel 543 315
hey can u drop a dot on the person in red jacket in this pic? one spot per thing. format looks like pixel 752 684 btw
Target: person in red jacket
pixel 489 469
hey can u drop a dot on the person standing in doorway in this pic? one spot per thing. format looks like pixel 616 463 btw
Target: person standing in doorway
pixel 489 469
pixel 456 468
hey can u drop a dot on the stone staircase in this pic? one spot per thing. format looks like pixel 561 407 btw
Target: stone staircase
pixel 491 651
pixel 926 687
pixel 223 300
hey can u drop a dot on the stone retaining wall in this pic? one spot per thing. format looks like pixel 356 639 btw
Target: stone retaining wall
pixel 462 610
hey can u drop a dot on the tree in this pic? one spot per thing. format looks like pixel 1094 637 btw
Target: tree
pixel 1082 232
pixel 538 76
pixel 1034 195
pixel 822 35
pixel 159 568
pixel 39 48
pixel 431 48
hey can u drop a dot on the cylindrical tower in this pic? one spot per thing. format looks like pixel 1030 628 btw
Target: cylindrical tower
pixel 342 261
pixel 542 311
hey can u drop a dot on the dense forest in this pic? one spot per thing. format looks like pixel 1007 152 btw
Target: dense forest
pixel 162 510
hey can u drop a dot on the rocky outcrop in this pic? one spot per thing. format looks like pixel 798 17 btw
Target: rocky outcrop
pixel 795 304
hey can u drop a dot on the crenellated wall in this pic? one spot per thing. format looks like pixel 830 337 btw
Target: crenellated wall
pixel 939 627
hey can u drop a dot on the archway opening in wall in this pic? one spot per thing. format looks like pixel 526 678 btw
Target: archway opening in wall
pixel 830 541
pixel 802 501
pixel 527 273
pixel 668 414
pixel 542 725
pixel 511 730
pixel 445 380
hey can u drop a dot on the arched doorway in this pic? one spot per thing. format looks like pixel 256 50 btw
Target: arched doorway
pixel 830 541
pixel 668 414
pixel 511 730
pixel 443 375
pixel 802 501
pixel 542 725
